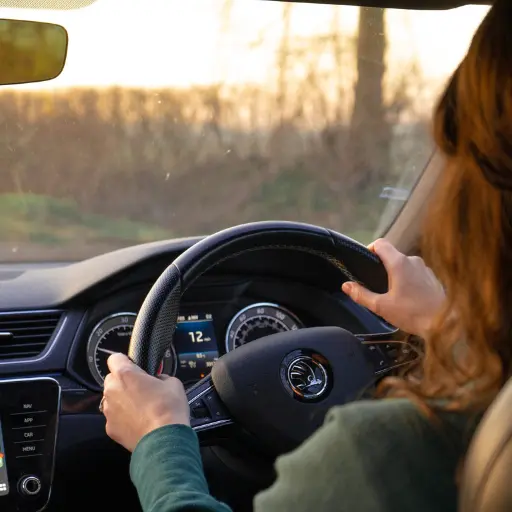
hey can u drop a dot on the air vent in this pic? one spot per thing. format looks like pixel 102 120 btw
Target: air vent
pixel 26 334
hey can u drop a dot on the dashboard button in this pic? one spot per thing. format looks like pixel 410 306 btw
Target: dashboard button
pixel 29 449
pixel 28 405
pixel 26 434
pixel 30 419
pixel 29 402
pixel 30 485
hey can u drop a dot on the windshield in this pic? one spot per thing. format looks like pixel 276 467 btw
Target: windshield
pixel 177 118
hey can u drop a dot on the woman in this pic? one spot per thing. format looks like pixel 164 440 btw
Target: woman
pixel 403 452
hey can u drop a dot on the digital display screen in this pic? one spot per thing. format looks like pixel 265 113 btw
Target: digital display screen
pixel 4 481
pixel 196 346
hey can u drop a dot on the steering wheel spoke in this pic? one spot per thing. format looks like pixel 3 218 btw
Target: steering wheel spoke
pixel 388 351
pixel 207 411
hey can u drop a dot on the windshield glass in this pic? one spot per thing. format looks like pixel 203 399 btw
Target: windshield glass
pixel 177 118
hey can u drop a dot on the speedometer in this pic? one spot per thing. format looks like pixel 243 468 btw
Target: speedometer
pixel 257 321
pixel 113 335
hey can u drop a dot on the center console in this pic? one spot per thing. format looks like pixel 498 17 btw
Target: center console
pixel 29 412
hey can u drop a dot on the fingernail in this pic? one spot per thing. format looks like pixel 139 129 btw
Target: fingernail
pixel 347 288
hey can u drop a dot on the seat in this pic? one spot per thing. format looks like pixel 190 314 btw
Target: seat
pixel 486 484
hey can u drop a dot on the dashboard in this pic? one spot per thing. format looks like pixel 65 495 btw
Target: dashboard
pixel 60 322
pixel 218 314
pixel 196 346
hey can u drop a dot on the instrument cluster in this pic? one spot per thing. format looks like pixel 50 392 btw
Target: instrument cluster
pixel 196 345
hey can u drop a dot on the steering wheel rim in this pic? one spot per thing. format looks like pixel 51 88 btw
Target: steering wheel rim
pixel 156 322
pixel 154 328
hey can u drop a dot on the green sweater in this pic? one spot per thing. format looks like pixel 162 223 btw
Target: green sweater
pixel 370 456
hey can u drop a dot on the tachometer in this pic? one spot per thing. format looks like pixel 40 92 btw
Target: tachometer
pixel 257 321
pixel 113 335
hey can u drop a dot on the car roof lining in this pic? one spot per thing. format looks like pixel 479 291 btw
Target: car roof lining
pixel 401 4
pixel 391 4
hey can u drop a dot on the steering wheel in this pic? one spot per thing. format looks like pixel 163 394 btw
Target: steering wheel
pixel 279 387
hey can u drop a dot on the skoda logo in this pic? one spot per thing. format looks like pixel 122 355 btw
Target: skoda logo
pixel 307 377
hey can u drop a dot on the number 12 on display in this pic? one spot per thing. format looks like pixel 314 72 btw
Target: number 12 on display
pixel 196 337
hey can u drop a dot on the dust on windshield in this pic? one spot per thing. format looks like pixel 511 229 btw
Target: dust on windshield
pixel 177 118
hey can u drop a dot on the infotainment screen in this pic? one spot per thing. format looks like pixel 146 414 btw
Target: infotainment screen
pixel 4 481
pixel 196 346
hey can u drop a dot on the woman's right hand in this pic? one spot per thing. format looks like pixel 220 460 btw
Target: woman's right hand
pixel 414 296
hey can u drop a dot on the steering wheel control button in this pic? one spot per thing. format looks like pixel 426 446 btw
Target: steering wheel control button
pixel 198 410
pixel 206 408
pixel 215 406
pixel 392 351
pixel 376 356
pixel 30 486
pixel 307 375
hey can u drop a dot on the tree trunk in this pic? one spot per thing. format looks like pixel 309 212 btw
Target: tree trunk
pixel 369 136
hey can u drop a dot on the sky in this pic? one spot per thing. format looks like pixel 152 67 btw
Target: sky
pixel 154 43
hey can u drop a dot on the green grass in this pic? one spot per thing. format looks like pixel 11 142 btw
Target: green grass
pixel 295 190
pixel 49 221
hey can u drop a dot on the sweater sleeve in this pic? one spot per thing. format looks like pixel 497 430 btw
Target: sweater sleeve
pixel 167 471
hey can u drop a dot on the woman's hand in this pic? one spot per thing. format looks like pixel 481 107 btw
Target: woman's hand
pixel 136 403
pixel 414 298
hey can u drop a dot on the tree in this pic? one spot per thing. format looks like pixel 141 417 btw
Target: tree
pixel 369 138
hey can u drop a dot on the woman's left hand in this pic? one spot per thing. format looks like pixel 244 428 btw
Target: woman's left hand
pixel 136 403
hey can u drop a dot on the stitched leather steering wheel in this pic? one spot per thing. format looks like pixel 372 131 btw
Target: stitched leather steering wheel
pixel 278 387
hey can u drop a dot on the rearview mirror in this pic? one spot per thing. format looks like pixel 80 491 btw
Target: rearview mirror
pixel 31 51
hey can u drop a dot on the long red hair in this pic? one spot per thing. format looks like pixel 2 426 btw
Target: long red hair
pixel 467 238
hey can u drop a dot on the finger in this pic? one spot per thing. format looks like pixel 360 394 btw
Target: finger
pixel 111 382
pixel 104 408
pixel 386 251
pixel 362 296
pixel 163 377
pixel 371 247
pixel 107 382
pixel 119 362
